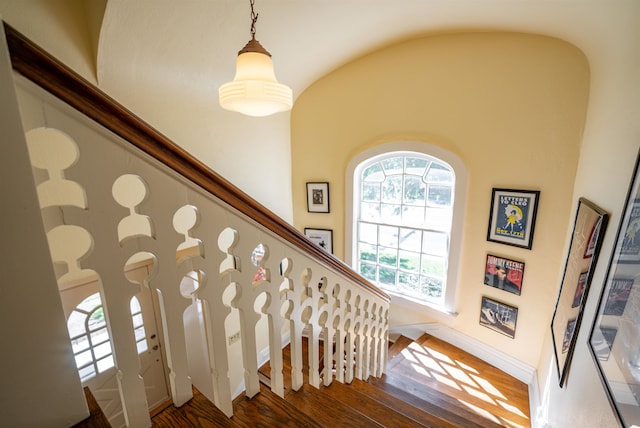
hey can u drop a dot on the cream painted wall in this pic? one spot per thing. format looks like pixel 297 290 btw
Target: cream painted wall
pixel 608 154
pixel 511 106
pixel 94 46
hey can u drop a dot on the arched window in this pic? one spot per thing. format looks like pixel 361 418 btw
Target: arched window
pixel 403 212
pixel 90 338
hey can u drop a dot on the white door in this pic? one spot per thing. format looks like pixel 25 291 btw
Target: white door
pixel 92 345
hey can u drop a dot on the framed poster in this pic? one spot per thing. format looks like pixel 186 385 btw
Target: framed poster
pixel 614 341
pixel 321 237
pixel 318 197
pixel 504 274
pixel 513 216
pixel 574 287
pixel 498 316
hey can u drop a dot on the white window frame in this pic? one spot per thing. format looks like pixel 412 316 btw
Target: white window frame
pixel 352 198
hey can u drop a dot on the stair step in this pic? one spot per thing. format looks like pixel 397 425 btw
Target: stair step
pixel 384 408
pixel 432 402
pixel 269 410
pixel 397 346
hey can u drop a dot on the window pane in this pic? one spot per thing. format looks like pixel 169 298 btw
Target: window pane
pixel 439 174
pixel 139 333
pixel 135 305
pixel 388 277
pixel 367 253
pixel 412 216
pixel 371 192
pixel 409 261
pixel 75 324
pixel 410 240
pixel 80 344
pixel 415 166
pixel 368 271
pixel 142 346
pixel 105 363
pixel 414 191
pixel 388 257
pixel 373 173
pixel 368 233
pixel 431 287
pixel 408 283
pixel 435 243
pixel 99 336
pixel 439 195
pixel 102 350
pixel 392 189
pixel 83 358
pixel 87 372
pixel 96 319
pixel 388 236
pixel 137 320
pixel 438 219
pixel 370 212
pixel 392 165
pixel 390 213
pixel 433 266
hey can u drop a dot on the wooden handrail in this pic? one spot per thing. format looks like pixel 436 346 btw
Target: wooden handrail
pixel 31 61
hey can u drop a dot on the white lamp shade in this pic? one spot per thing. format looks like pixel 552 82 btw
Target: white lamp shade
pixel 254 90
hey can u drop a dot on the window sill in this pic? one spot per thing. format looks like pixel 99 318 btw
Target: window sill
pixel 437 312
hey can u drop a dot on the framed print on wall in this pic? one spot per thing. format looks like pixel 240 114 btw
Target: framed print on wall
pixel 504 274
pixel 614 341
pixel 498 316
pixel 321 237
pixel 318 197
pixel 512 216
pixel 574 287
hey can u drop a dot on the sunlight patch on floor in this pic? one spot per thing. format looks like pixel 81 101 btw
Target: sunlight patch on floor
pixel 459 375
pixel 420 370
pixel 447 381
pixel 487 386
pixel 512 409
pixel 479 394
pixel 482 412
pixel 466 367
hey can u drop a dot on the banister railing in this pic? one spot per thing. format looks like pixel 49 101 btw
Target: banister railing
pixel 113 189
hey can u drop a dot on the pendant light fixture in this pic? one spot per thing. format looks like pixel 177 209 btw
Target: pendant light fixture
pixel 254 90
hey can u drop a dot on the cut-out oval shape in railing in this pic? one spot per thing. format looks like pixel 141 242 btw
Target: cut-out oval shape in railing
pixel 70 244
pixel 130 190
pixel 54 151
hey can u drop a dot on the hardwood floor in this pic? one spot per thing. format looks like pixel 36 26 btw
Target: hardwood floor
pixel 428 383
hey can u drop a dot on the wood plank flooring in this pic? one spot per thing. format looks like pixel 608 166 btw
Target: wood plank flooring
pixel 428 383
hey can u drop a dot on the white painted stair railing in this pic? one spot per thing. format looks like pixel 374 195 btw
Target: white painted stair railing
pixel 113 190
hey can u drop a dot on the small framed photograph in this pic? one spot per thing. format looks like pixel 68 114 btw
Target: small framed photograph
pixel 318 197
pixel 321 237
pixel 504 274
pixel 512 217
pixel 498 316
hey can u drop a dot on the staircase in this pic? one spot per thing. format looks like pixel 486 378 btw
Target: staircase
pixel 427 383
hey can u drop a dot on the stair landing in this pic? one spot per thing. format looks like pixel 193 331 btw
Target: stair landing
pixel 428 383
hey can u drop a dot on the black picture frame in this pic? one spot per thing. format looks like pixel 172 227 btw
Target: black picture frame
pixel 498 316
pixel 614 340
pixel 588 230
pixel 512 217
pixel 504 274
pixel 318 197
pixel 321 237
